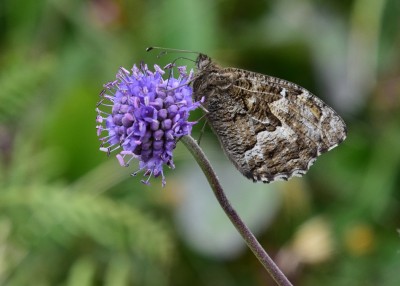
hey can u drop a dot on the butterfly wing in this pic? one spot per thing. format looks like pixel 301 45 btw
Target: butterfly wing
pixel 268 127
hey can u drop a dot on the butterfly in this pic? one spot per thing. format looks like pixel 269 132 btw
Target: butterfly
pixel 269 128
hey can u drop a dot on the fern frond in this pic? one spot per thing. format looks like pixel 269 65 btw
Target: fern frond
pixel 43 214
pixel 19 85
pixel 57 230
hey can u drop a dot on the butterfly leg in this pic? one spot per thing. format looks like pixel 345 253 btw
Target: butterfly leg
pixel 202 131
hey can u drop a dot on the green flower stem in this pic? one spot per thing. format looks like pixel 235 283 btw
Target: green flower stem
pixel 244 231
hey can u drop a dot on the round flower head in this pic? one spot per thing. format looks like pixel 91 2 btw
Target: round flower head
pixel 147 115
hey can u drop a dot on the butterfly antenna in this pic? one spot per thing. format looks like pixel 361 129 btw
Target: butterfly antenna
pixel 166 50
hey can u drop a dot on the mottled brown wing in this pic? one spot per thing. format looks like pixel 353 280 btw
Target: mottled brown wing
pixel 269 128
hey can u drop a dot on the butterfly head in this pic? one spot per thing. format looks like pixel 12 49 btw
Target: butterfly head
pixel 203 62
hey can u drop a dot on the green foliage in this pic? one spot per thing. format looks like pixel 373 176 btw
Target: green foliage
pixel 50 219
pixel 20 86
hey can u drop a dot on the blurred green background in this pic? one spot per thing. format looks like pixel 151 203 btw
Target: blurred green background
pixel 71 216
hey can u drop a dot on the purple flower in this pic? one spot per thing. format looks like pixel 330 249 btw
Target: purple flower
pixel 147 115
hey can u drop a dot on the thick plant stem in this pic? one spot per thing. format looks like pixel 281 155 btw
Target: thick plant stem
pixel 244 231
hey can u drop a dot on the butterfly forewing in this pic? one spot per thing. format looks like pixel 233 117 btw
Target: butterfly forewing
pixel 268 127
